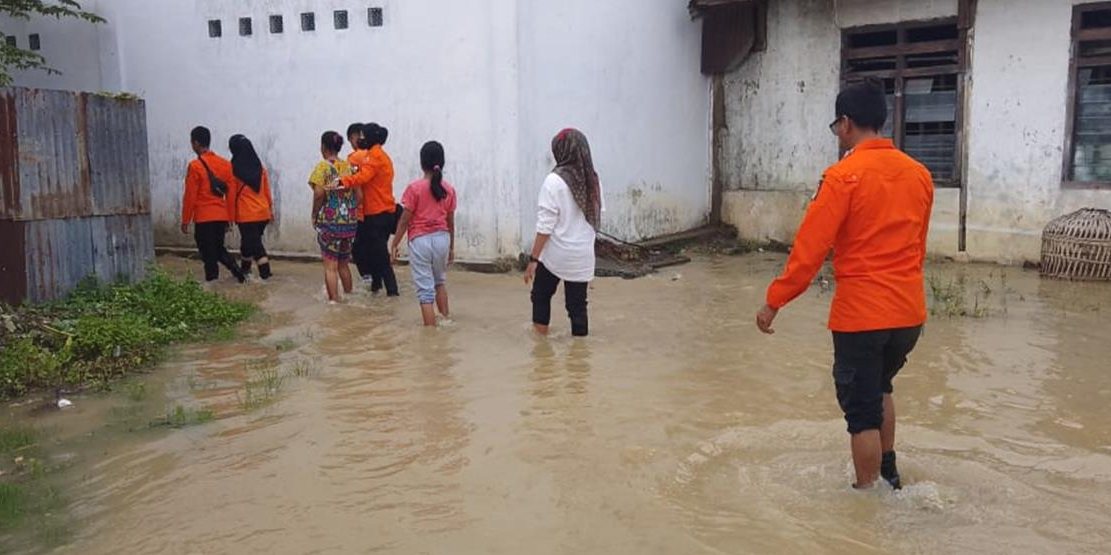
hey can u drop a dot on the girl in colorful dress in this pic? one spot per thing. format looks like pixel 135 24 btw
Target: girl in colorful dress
pixel 335 214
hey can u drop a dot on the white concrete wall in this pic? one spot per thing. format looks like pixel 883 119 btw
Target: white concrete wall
pixel 70 46
pixel 1017 127
pixel 493 80
pixel 429 73
pixel 780 101
pixel 625 72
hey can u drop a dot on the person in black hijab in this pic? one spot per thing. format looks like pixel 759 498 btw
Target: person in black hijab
pixel 251 204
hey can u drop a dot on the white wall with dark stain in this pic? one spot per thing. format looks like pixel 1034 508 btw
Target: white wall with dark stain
pixel 626 72
pixel 493 80
pixel 781 101
pixel 1017 125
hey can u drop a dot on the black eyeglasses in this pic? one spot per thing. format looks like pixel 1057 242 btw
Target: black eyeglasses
pixel 834 124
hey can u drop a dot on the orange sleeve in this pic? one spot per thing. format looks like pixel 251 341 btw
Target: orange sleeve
pixel 231 198
pixel 813 242
pixel 193 182
pixel 266 189
pixel 362 178
pixel 926 221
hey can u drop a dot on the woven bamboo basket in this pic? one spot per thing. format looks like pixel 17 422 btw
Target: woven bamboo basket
pixel 1077 246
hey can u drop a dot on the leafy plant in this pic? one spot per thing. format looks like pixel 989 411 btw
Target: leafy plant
pixel 102 332
pixel 14 57
pixel 180 417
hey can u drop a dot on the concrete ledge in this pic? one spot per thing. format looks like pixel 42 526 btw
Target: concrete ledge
pixel 495 267
pixel 765 215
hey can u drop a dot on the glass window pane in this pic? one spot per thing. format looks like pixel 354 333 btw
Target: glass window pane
pixel 889 91
pixel 872 64
pixel 932 33
pixel 1095 48
pixel 1095 19
pixel 932 60
pixel 931 123
pixel 874 38
pixel 1092 155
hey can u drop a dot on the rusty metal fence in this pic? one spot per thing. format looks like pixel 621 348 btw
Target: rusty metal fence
pixel 74 191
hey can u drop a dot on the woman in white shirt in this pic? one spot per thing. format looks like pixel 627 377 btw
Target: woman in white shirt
pixel 570 207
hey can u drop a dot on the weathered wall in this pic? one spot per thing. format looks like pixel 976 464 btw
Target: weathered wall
pixel 779 105
pixel 492 80
pixel 628 76
pixel 1017 127
pixel 71 47
pixel 428 73
pixel 781 100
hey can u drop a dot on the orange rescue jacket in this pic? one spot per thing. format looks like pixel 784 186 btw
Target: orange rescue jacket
pixel 375 177
pixel 249 206
pixel 199 204
pixel 873 210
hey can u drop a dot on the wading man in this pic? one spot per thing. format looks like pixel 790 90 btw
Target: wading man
pixel 873 211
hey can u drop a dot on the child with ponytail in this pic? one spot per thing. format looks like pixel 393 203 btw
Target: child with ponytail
pixel 429 220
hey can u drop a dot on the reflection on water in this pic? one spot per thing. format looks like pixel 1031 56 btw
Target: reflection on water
pixel 676 428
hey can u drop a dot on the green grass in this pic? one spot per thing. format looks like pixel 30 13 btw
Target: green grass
pixel 949 298
pixel 180 417
pixel 136 391
pixel 103 332
pixel 30 506
pixel 261 388
pixel 13 504
pixel 304 368
pixel 287 344
pixel 16 439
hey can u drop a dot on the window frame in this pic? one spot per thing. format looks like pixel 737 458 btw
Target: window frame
pixel 308 22
pixel 246 26
pixel 1076 36
pixel 900 50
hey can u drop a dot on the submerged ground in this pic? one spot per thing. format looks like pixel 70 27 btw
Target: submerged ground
pixel 676 428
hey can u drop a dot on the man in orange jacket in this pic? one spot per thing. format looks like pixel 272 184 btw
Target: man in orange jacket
pixel 873 210
pixel 379 220
pixel 206 206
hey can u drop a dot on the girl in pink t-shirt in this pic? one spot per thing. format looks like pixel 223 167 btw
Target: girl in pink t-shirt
pixel 429 220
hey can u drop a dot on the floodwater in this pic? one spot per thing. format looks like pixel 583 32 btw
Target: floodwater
pixel 675 429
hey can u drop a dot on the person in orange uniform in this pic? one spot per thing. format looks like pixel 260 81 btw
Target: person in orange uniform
pixel 873 210
pixel 205 205
pixel 251 203
pixel 375 177
pixel 361 246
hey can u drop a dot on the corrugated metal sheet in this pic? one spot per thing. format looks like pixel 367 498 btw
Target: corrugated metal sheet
pixel 74 192
pixel 123 246
pixel 117 148
pixel 68 155
pixel 13 262
pixel 9 153
pixel 53 168
pixel 60 253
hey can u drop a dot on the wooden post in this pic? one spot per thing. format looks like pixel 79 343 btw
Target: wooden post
pixel 717 148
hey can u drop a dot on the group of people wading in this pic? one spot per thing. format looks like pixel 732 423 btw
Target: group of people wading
pixel 872 211
pixel 354 213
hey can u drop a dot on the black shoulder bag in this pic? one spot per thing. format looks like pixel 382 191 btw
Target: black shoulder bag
pixel 219 187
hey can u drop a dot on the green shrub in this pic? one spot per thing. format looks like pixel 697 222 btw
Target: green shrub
pixel 102 332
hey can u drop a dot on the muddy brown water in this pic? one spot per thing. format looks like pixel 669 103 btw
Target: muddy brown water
pixel 676 428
